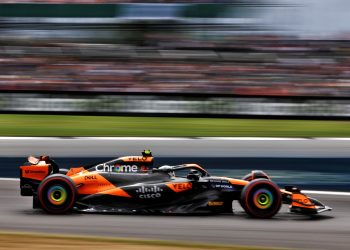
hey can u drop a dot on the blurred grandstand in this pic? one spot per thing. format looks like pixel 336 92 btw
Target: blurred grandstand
pixel 254 49
pixel 239 65
pixel 119 1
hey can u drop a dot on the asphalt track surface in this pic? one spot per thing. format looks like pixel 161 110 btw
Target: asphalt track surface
pixel 330 230
pixel 175 147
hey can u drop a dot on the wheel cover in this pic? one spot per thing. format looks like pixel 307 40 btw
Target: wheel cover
pixel 57 195
pixel 263 198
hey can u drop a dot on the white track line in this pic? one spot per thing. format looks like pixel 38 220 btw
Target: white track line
pixel 333 139
pixel 136 138
pixel 254 138
pixel 9 179
pixel 8 138
pixel 176 138
pixel 326 192
pixel 304 191
pixel 15 138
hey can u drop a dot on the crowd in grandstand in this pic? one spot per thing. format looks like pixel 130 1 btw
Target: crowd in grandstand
pixel 242 65
pixel 114 1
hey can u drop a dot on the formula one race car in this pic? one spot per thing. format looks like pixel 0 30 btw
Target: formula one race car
pixel 130 185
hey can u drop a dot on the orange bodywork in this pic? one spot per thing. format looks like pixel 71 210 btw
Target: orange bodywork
pixel 145 159
pixel 301 200
pixel 35 172
pixel 180 186
pixel 74 171
pixel 238 182
pixel 90 182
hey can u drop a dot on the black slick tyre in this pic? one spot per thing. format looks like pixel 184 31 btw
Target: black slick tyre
pixel 57 194
pixel 261 198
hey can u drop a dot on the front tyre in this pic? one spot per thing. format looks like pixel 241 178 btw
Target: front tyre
pixel 57 194
pixel 261 198
pixel 256 174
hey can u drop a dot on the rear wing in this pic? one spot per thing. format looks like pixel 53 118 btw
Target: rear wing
pixel 33 173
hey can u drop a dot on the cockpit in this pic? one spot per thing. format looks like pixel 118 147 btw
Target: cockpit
pixel 189 171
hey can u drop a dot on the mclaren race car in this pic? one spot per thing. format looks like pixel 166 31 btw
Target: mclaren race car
pixel 131 185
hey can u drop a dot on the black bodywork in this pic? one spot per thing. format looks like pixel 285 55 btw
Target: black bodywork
pixel 195 191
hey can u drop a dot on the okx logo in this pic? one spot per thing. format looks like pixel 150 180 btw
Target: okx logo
pixel 151 192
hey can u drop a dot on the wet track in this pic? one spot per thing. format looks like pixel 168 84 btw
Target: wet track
pixel 327 231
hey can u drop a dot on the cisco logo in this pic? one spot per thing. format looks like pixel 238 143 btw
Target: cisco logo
pixel 149 192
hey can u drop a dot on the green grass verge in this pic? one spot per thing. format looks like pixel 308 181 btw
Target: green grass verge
pixel 62 125
pixel 72 240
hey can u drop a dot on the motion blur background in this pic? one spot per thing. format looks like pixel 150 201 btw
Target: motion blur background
pixel 179 68
pixel 205 57
pixel 216 58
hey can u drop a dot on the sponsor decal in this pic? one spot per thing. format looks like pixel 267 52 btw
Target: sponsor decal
pixel 138 159
pixel 223 186
pixel 34 172
pixel 149 192
pixel 182 186
pixel 215 203
pixel 117 168
pixel 144 169
pixel 305 201
pixel 219 181
pixel 124 168
pixel 90 177
pixel 179 187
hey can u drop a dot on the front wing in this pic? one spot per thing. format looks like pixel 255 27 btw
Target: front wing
pixel 301 203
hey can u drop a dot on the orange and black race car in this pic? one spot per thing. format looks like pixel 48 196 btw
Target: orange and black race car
pixel 130 184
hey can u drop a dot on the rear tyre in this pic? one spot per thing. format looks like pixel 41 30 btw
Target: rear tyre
pixel 57 194
pixel 261 198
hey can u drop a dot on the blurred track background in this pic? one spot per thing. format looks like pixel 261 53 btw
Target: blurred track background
pixel 225 58
pixel 186 70
pixel 310 163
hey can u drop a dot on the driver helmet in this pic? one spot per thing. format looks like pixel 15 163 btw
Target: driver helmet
pixel 194 171
pixel 44 158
